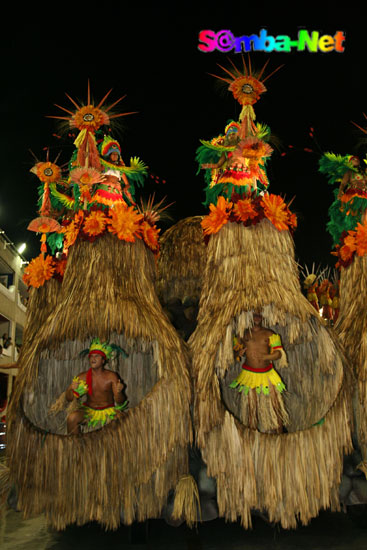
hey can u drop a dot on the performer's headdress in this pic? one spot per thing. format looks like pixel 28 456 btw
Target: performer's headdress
pixel 108 146
pixel 105 349
pixel 231 128
pixel 101 348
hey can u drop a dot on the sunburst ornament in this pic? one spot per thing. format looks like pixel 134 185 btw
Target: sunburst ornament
pixel 90 117
pixel 47 172
pixel 245 85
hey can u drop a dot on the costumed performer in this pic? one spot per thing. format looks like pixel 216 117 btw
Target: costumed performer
pixel 103 388
pixel 239 166
pixel 110 191
pixel 354 185
pixel 261 347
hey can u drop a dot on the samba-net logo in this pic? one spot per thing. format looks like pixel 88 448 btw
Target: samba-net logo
pixel 225 41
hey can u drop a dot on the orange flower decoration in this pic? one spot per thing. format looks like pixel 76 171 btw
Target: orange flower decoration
pixel 125 222
pixel 247 90
pixel 48 172
pixel 89 118
pixel 361 239
pixel 39 271
pixel 350 241
pixel 150 235
pixel 60 266
pixel 345 253
pixel 95 223
pixel 243 210
pixel 218 216
pixel 275 210
pixel 292 219
pixel 71 231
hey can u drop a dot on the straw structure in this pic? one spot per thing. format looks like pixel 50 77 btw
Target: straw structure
pixel 291 475
pixel 351 329
pixel 187 501
pixel 181 260
pixel 4 480
pixel 42 301
pixel 124 471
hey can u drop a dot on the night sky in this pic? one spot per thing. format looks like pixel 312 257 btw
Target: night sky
pixel 152 56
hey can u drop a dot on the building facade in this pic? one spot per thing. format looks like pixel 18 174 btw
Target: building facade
pixel 13 300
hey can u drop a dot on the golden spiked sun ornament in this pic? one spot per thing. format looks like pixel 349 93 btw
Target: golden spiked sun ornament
pixel 246 86
pixel 88 119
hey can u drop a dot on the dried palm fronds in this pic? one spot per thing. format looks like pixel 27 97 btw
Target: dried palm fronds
pixel 187 501
pixel 351 329
pixel 4 480
pixel 290 475
pixel 181 260
pixel 124 471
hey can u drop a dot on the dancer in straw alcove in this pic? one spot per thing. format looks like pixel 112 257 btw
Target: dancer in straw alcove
pixel 250 270
pixel 107 290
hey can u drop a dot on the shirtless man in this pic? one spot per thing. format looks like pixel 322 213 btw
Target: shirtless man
pixel 103 389
pixel 261 346
pixel 259 382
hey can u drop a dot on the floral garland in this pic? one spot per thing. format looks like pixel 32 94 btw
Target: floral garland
pixel 249 211
pixel 123 221
pixel 352 242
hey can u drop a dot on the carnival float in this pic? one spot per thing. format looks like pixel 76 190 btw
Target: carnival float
pixel 99 424
pixel 104 424
pixel 272 406
pixel 348 228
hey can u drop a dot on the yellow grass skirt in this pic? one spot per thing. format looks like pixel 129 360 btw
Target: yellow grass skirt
pixel 257 380
pixel 101 417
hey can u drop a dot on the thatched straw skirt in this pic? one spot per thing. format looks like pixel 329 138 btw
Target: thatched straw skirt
pixel 290 475
pixel 124 471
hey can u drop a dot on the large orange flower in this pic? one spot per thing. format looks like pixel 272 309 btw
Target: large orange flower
pixel 244 210
pixel 345 253
pixel 125 222
pixel 292 219
pixel 60 266
pixel 39 271
pixel 350 241
pixel 89 118
pixel 361 239
pixel 275 210
pixel 95 223
pixel 247 90
pixel 71 231
pixel 218 216
pixel 150 235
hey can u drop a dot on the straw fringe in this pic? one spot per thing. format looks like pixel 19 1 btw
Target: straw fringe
pixel 290 476
pixel 351 329
pixel 187 501
pixel 4 481
pixel 124 471
pixel 181 260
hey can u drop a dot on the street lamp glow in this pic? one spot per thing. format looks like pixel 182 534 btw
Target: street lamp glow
pixel 22 248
